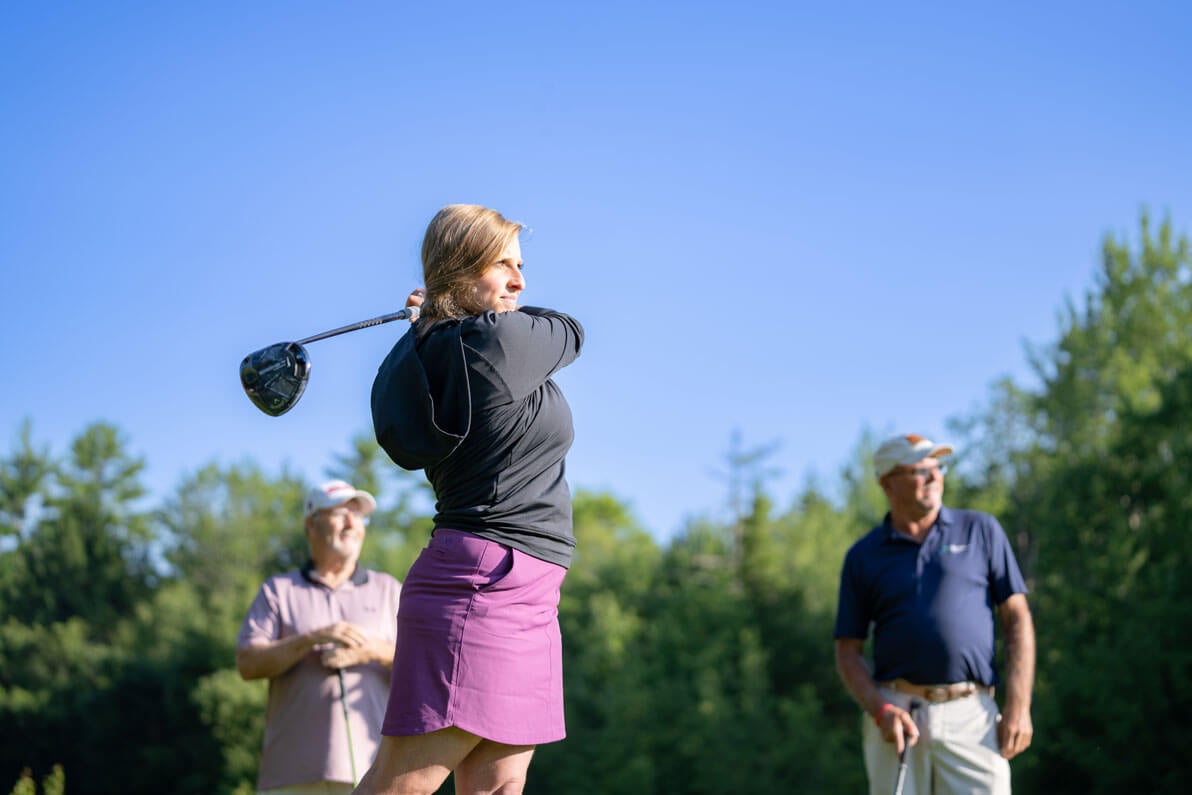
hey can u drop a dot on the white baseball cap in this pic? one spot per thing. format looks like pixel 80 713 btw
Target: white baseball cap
pixel 901 451
pixel 337 492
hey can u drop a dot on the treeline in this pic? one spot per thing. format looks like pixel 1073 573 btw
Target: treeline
pixel 702 665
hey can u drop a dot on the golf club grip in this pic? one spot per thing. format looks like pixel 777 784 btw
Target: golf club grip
pixel 410 312
pixel 906 747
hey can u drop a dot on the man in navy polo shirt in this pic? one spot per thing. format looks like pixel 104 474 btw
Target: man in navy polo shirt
pixel 929 581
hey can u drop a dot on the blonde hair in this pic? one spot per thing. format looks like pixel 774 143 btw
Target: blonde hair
pixel 461 242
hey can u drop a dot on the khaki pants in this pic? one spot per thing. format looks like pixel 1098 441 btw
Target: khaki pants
pixel 957 752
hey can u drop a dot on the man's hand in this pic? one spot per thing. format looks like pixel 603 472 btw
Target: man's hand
pixel 267 659
pixel 1014 732
pixel 340 633
pixel 372 650
pixel 343 657
pixel 897 726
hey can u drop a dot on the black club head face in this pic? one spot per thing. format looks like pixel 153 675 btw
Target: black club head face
pixel 275 377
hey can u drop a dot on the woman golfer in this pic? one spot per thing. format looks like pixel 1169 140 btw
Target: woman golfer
pixel 467 395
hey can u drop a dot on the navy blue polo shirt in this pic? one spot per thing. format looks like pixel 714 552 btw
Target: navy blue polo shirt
pixel 930 604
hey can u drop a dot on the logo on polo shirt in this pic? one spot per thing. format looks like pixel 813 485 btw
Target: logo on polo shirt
pixel 953 549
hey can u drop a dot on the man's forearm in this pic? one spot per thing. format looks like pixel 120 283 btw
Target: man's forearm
pixel 850 665
pixel 265 661
pixel 1019 632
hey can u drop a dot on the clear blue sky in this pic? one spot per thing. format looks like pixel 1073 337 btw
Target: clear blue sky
pixel 798 221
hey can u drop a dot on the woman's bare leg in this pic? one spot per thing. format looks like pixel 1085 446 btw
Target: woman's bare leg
pixel 417 765
pixel 493 769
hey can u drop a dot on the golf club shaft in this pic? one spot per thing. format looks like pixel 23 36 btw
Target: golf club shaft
pixel 410 312
pixel 901 780
pixel 343 699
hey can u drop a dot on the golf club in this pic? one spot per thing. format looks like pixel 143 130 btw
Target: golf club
pixel 343 699
pixel 906 746
pixel 275 377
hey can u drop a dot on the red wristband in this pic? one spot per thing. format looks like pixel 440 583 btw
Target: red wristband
pixel 877 719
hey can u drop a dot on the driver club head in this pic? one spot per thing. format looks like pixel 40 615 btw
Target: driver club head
pixel 275 377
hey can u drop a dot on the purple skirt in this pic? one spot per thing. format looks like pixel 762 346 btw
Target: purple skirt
pixel 478 644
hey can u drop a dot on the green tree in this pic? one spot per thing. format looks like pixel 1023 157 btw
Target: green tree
pixel 1086 471
pixel 225 529
pixel 23 478
pixel 234 712
pixel 87 556
pixel 49 677
pixel 54 782
pixel 1117 350
pixel 96 675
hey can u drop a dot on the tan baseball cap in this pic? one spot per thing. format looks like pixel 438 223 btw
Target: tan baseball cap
pixel 901 451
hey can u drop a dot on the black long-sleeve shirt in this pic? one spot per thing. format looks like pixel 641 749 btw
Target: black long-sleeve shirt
pixel 471 401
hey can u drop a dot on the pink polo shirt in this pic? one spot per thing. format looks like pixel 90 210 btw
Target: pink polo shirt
pixel 305 737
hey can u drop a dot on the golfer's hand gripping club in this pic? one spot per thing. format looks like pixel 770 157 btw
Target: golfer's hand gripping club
pixel 898 725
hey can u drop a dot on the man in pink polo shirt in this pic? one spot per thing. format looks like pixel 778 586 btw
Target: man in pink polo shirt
pixel 309 631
